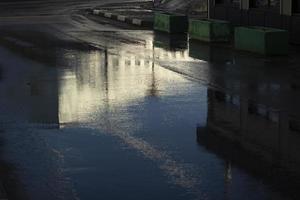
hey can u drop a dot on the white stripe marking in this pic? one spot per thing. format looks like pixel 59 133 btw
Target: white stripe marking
pixel 121 18
pixel 108 15
pixel 96 12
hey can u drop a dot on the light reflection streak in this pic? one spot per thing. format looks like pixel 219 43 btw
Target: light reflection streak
pixel 96 93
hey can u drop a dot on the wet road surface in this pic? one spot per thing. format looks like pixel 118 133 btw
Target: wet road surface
pixel 101 111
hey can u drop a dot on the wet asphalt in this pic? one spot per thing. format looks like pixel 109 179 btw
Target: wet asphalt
pixel 95 109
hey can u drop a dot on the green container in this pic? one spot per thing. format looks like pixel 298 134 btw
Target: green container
pixel 267 41
pixel 171 23
pixel 209 30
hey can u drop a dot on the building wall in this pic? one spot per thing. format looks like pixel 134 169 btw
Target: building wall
pixel 284 16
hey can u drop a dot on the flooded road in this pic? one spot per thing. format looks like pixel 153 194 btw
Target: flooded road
pixel 95 111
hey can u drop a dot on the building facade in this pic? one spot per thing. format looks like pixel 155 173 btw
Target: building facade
pixel 283 14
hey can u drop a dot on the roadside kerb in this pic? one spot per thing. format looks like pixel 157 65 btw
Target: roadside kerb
pixel 122 18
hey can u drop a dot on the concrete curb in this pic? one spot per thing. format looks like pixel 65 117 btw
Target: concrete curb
pixel 123 18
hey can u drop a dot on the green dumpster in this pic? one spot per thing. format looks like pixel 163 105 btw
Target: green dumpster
pixel 209 30
pixel 262 40
pixel 170 23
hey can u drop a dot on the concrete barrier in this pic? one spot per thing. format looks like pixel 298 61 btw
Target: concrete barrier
pixel 262 40
pixel 171 23
pixel 209 30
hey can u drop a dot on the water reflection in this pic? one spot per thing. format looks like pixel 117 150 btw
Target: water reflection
pixel 257 137
pixel 211 52
pixel 171 42
pixel 104 84
pixel 110 75
pixel 111 91
pixel 43 94
pixel 80 85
